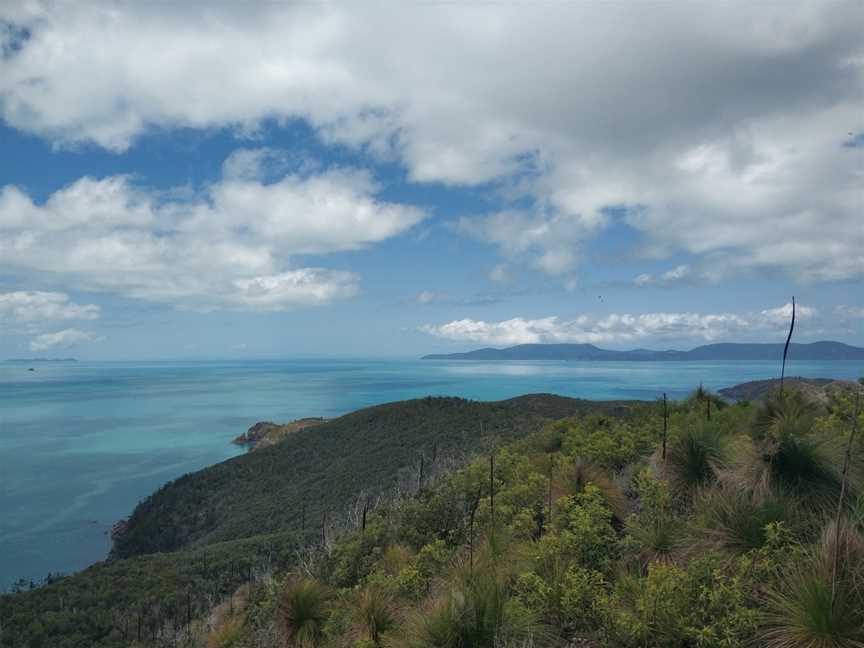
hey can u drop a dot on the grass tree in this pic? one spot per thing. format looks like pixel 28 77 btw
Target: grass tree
pixel 807 610
pixel 693 459
pixel 302 612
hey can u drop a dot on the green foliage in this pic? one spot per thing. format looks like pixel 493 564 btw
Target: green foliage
pixel 353 559
pixel 302 612
pixel 479 611
pixel 693 458
pixel 374 614
pixel 367 450
pixel 583 532
pixel 814 605
pixel 584 599
pixel 739 520
pixel 791 456
pixel 716 549
pixel 607 442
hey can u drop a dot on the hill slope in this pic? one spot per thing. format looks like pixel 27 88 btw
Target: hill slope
pixel 723 351
pixel 328 467
pixel 198 538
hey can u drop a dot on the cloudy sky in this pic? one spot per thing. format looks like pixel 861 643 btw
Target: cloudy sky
pixel 400 178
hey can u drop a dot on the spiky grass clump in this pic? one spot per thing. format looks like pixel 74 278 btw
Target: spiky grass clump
pixel 693 459
pixel 374 614
pixel 781 414
pixel 302 612
pixel 660 539
pixel 736 519
pixel 788 457
pixel 477 612
pixel 816 605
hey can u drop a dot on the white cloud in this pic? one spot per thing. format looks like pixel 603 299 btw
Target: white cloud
pixel 678 274
pixel 61 339
pixel 549 243
pixel 307 286
pixel 229 247
pixel 782 315
pixel 614 328
pixel 430 297
pixel 718 128
pixel 36 307
pixel 253 164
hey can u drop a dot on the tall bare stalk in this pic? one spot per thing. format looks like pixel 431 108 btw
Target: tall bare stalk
pixel 786 347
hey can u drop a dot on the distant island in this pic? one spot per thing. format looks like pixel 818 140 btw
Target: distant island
pixel 36 360
pixel 725 351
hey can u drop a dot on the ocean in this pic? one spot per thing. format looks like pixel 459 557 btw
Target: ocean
pixel 81 443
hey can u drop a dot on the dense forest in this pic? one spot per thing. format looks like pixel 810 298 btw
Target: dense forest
pixel 686 524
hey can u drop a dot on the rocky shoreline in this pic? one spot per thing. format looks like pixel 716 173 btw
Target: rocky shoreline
pixel 266 433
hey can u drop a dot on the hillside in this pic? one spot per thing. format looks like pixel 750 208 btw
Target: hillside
pixel 575 532
pixel 326 467
pixel 200 537
pixel 723 351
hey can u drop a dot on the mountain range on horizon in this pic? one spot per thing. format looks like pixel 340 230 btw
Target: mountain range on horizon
pixel 823 350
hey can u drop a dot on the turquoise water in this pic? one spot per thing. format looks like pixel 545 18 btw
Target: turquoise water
pixel 82 443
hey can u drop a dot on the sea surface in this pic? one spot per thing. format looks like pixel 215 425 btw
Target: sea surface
pixel 81 443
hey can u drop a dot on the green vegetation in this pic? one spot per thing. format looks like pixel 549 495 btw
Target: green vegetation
pixel 576 532
pixel 321 470
pixel 201 537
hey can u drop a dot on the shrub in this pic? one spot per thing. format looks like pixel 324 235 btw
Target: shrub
pixel 584 599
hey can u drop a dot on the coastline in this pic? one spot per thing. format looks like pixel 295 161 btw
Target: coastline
pixel 202 417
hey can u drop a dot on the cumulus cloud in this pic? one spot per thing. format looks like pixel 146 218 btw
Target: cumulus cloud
pixel 304 286
pixel 671 277
pixel 549 243
pixel 64 339
pixel 782 315
pixel 719 130
pixel 229 247
pixel 36 307
pixel 613 328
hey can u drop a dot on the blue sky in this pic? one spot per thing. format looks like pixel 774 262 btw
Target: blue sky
pixel 313 179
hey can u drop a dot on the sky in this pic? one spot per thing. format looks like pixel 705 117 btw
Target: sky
pixel 274 180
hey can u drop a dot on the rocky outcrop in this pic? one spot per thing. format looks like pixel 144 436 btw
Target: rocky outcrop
pixel 265 433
